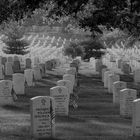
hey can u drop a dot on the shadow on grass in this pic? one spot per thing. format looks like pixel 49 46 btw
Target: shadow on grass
pixel 126 78
pixel 48 82
pixel 15 108
pixel 68 119
pixel 50 139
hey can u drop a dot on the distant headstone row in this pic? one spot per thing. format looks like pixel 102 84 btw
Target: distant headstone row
pixel 44 108
pixel 125 98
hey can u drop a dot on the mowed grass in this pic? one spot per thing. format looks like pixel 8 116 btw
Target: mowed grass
pixel 96 118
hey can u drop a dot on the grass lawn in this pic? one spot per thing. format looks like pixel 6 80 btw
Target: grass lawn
pixel 96 118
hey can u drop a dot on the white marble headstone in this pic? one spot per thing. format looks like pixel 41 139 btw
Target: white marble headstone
pixel 71 70
pixel 111 79
pixel 137 76
pixel 1 72
pixel 61 97
pixel 69 77
pixel 6 97
pixel 136 118
pixel 28 73
pixel 67 84
pixel 28 64
pixel 10 59
pixel 37 73
pixel 103 71
pixel 8 68
pixel 106 78
pixel 127 96
pixel 19 83
pixel 98 64
pixel 117 86
pixel 42 117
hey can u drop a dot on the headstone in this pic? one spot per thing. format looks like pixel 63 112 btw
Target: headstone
pixel 4 60
pixel 117 86
pixel 43 70
pixel 137 76
pixel 8 68
pixel 28 73
pixel 106 78
pixel 10 59
pixel 98 64
pixel 71 70
pixel 61 97
pixel 69 77
pixel 1 72
pixel 127 96
pixel 67 84
pixel 16 66
pixel 37 73
pixel 54 63
pixel 36 61
pixel 48 65
pixel 19 83
pixel 6 97
pixel 42 117
pixel 136 118
pixel 126 68
pixel 100 69
pixel 111 79
pixel 28 63
pixel 75 65
pixel 16 58
pixel 0 60
pixel 119 62
pixel 103 71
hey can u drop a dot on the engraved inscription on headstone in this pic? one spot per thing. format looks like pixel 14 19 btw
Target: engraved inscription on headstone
pixel 117 86
pixel 42 117
pixel 127 96
pixel 5 92
pixel 61 96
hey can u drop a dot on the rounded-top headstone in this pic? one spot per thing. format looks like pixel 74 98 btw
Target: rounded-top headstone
pixel 61 97
pixel 42 117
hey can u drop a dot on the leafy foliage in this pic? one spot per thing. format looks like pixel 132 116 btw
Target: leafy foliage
pixel 73 50
pixel 87 14
pixel 13 40
pixel 92 48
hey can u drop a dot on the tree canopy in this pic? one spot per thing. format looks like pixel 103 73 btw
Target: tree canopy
pixel 89 14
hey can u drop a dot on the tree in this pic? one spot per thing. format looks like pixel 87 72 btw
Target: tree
pixel 13 40
pixel 92 48
pixel 73 50
pixel 110 13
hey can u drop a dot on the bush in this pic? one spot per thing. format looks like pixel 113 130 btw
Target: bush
pixel 92 48
pixel 14 32
pixel 73 50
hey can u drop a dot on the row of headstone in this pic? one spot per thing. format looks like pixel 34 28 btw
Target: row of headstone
pixel 44 109
pixel 124 97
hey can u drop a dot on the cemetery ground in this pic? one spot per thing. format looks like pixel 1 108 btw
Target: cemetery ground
pixel 95 118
